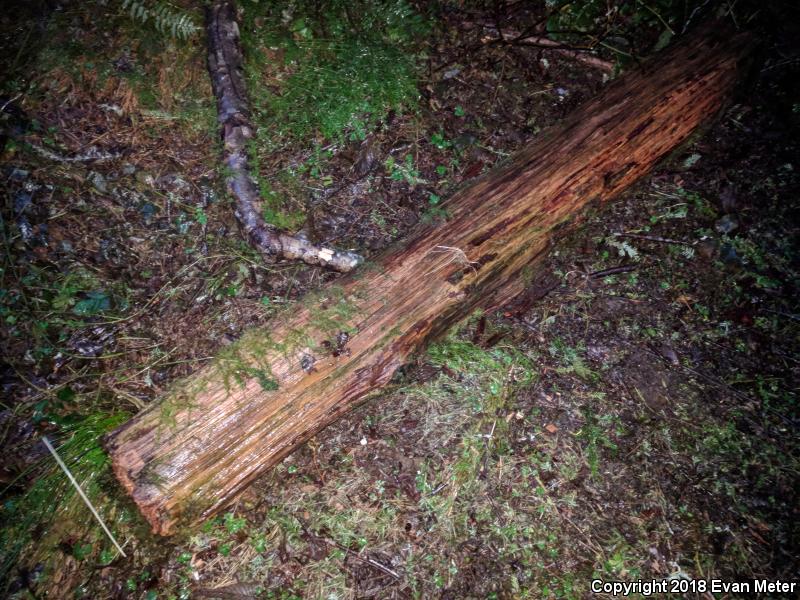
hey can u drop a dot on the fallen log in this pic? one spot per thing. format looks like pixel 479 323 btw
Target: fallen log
pixel 227 79
pixel 189 454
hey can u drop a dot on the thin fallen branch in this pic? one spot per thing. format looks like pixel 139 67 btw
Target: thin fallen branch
pixel 612 271
pixel 510 36
pixel 225 68
pixel 653 238
pixel 83 496
pixel 371 562
pixel 91 155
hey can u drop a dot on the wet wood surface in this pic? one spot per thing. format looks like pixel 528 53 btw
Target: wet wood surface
pixel 189 454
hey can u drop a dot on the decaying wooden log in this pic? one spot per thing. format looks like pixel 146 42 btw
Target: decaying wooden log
pixel 188 455
pixel 227 80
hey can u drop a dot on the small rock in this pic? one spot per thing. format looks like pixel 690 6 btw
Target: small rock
pixel 98 182
pixel 113 108
pixel 148 211
pixel 707 249
pixel 145 178
pixel 124 64
pixel 18 174
pixel 669 353
pixel 727 199
pixel 128 169
pixel 599 353
pixel 726 224
pixel 451 73
pixel 174 182
pixel 22 202
pixel 465 140
pixel 691 160
pixel 727 254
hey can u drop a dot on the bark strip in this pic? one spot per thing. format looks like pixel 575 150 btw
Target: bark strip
pixel 191 453
pixel 227 79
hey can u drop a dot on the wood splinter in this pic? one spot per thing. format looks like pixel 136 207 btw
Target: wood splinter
pixel 225 67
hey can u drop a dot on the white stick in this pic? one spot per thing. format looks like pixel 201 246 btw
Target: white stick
pixel 80 492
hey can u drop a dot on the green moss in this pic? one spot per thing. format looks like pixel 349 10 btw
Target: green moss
pixel 149 475
pixel 265 379
pixel 51 506
pixel 196 507
pixel 487 372
pixel 527 274
pixel 349 63
pixel 390 336
pixel 250 356
pixel 294 340
pixel 181 398
pixel 247 358
pixel 333 317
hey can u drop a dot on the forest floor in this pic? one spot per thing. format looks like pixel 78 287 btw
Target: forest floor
pixel 634 415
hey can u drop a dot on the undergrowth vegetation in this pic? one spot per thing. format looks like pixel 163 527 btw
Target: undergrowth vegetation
pixel 322 73
pixel 51 515
pixel 329 69
pixel 166 19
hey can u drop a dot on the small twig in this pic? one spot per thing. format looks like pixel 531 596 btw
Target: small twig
pixel 371 562
pixel 512 37
pixel 486 447
pixel 653 238
pixel 437 489
pixel 783 314
pixel 356 555
pixel 81 494
pixel 9 101
pixel 91 155
pixel 612 271
pixel 691 16
pixel 660 18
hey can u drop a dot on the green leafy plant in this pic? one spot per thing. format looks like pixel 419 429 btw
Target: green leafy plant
pixel 403 171
pixel 438 140
pixel 624 249
pixel 165 18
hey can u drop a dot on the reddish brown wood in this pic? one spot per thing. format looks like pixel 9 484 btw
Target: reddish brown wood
pixel 189 455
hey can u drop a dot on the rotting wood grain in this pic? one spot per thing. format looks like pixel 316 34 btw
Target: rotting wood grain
pixel 191 453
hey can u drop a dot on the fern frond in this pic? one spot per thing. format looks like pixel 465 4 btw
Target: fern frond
pixel 166 19
pixel 623 248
